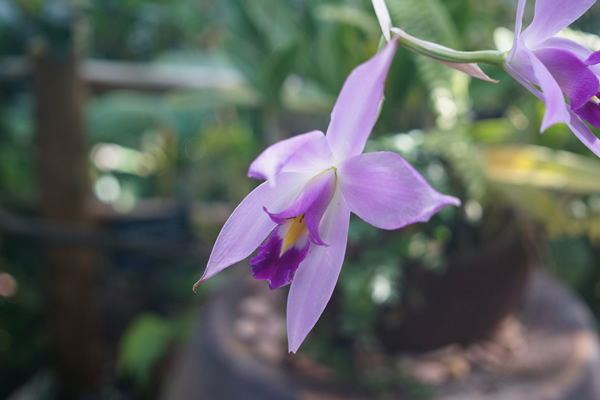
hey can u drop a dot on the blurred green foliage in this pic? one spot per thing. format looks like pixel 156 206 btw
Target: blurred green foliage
pixel 145 343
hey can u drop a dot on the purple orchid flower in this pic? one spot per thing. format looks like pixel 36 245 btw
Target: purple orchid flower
pixel 558 67
pixel 313 182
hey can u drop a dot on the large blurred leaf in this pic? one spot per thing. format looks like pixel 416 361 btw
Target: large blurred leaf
pixel 550 186
pixel 541 167
pixel 263 43
pixel 277 67
pixel 273 19
pixel 349 15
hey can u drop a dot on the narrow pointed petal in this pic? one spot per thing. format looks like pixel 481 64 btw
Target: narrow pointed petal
pixel 551 16
pixel 583 133
pixel 249 225
pixel 518 27
pixel 317 275
pixel 276 268
pixel 312 201
pixel 383 16
pixel 471 69
pixel 527 67
pixel 387 192
pixel 572 75
pixel 305 152
pixel 524 82
pixel 357 106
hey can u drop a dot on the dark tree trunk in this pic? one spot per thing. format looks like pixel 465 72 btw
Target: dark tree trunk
pixel 68 271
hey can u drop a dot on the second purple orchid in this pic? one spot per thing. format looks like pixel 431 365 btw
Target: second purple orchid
pixel 313 182
pixel 552 67
pixel 549 67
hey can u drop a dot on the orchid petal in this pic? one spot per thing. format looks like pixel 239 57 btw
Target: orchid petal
pixel 593 59
pixel 312 201
pixel 529 68
pixel 387 192
pixel 577 126
pixel 583 133
pixel 572 75
pixel 523 81
pixel 305 152
pixel 471 69
pixel 383 16
pixel 317 275
pixel 249 225
pixel 551 16
pixel 518 26
pixel 357 106
pixel 582 52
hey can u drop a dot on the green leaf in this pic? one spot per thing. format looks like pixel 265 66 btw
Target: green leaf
pixel 541 167
pixel 349 15
pixel 143 345
pixel 277 68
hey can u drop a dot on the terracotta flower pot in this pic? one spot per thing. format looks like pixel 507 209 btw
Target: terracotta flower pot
pixel 466 302
pixel 238 352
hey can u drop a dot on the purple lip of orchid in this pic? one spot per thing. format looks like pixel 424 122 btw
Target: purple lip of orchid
pixel 558 67
pixel 313 182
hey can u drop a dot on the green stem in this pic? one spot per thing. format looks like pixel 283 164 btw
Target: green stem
pixel 446 54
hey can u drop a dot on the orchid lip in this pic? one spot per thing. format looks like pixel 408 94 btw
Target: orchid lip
pixel 277 260
pixel 311 203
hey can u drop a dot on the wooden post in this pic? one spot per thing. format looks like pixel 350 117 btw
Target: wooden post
pixel 68 271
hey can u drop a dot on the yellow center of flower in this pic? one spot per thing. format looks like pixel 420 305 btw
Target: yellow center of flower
pixel 297 226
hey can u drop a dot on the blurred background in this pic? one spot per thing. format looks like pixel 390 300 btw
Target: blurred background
pixel 126 131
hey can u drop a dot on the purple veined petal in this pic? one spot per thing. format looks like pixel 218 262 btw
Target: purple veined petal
pixel 582 52
pixel 312 202
pixel 518 27
pixel 526 67
pixel 551 16
pixel 305 152
pixel 590 112
pixel 317 275
pixel 577 126
pixel 357 107
pixel 387 192
pixel 593 59
pixel 383 16
pixel 469 69
pixel 583 133
pixel 273 266
pixel 249 225
pixel 572 75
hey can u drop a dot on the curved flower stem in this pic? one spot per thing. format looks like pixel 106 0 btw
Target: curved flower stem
pixel 446 54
